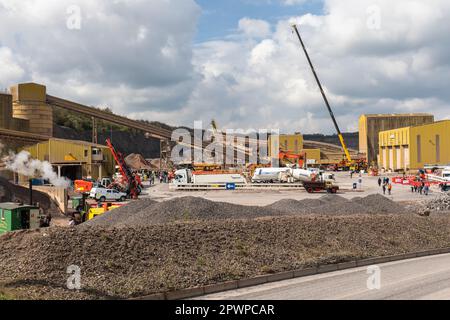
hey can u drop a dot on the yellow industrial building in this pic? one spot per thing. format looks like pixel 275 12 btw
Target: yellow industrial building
pixel 286 142
pixel 75 159
pixel 294 144
pixel 313 156
pixel 412 148
pixel 370 126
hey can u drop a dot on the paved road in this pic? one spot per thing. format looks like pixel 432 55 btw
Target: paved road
pixel 259 198
pixel 416 279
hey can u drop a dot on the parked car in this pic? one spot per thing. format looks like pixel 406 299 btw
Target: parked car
pixel 103 194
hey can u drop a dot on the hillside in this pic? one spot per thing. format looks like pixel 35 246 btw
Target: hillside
pixel 69 125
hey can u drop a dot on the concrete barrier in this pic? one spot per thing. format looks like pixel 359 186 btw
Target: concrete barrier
pixel 244 283
pixel 327 268
pixel 347 265
pixel 184 294
pixel 226 286
pixel 58 195
pixel 252 282
pixel 305 272
pixel 280 276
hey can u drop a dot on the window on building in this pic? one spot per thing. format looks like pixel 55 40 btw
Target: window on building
pixel 438 148
pixel 85 153
pixel 419 148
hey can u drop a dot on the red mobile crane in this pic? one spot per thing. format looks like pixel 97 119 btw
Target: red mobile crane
pixel 132 183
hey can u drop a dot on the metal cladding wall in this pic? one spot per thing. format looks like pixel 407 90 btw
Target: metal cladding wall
pixel 68 152
pixel 371 125
pixel 29 103
pixel 6 115
pixel 287 142
pixel 412 148
pixel 5 110
pixel 313 155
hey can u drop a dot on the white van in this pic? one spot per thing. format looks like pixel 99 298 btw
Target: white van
pixel 102 194
pixel 446 174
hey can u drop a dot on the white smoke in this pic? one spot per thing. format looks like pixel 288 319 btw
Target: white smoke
pixel 22 163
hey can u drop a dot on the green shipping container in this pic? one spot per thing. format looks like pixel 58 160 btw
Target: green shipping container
pixel 18 217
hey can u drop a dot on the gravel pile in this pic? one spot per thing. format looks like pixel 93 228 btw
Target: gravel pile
pixel 380 204
pixel 177 210
pixel 148 212
pixel 119 215
pixel 142 260
pixel 440 203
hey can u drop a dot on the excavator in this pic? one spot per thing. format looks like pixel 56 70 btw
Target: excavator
pixel 351 164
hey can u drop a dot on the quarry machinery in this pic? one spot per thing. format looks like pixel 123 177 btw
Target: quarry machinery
pixel 129 180
pixel 349 161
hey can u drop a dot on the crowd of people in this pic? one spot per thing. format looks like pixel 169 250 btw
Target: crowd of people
pixel 162 176
pixel 386 184
pixel 419 186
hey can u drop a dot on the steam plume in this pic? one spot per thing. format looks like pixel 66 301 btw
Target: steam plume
pixel 23 164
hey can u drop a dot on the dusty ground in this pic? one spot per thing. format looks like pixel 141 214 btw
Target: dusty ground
pixel 153 255
pixel 180 241
pixel 138 261
pixel 258 198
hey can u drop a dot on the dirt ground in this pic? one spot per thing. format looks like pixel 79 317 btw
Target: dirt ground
pixel 169 240
pixel 179 244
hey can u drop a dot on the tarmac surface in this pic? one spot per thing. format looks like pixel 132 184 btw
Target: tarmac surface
pixel 425 278
pixel 161 192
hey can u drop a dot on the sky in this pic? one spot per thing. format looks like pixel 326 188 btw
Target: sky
pixel 235 61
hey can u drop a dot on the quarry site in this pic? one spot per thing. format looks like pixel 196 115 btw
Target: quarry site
pixel 107 203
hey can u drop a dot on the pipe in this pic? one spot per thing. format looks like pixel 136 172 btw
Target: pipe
pixel 31 192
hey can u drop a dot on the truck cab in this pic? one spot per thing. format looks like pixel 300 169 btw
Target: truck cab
pixel 446 174
pixel 183 176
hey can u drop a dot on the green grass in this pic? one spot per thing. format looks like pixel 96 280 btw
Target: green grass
pixel 5 296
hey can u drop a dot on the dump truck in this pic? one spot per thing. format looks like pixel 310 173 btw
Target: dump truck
pixel 319 186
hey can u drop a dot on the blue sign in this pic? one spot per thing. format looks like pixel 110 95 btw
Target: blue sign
pixel 231 186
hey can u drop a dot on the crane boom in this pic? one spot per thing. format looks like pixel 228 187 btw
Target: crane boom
pixel 341 137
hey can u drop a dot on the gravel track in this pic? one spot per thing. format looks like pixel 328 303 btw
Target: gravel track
pixel 136 261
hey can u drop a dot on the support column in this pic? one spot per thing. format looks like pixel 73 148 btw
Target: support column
pixel 59 171
pixel 94 131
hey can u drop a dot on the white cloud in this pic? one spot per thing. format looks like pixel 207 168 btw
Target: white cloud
pixel 254 28
pixel 10 69
pixel 140 60
pixel 292 2
pixel 131 47
pixel 403 66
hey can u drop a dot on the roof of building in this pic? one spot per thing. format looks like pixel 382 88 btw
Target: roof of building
pixel 418 125
pixel 80 142
pixel 13 206
pixel 392 115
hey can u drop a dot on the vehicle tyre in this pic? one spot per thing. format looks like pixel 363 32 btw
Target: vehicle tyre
pixel 102 199
pixel 310 190
pixel 123 199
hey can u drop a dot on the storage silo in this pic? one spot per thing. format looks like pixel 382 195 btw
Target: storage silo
pixel 29 103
